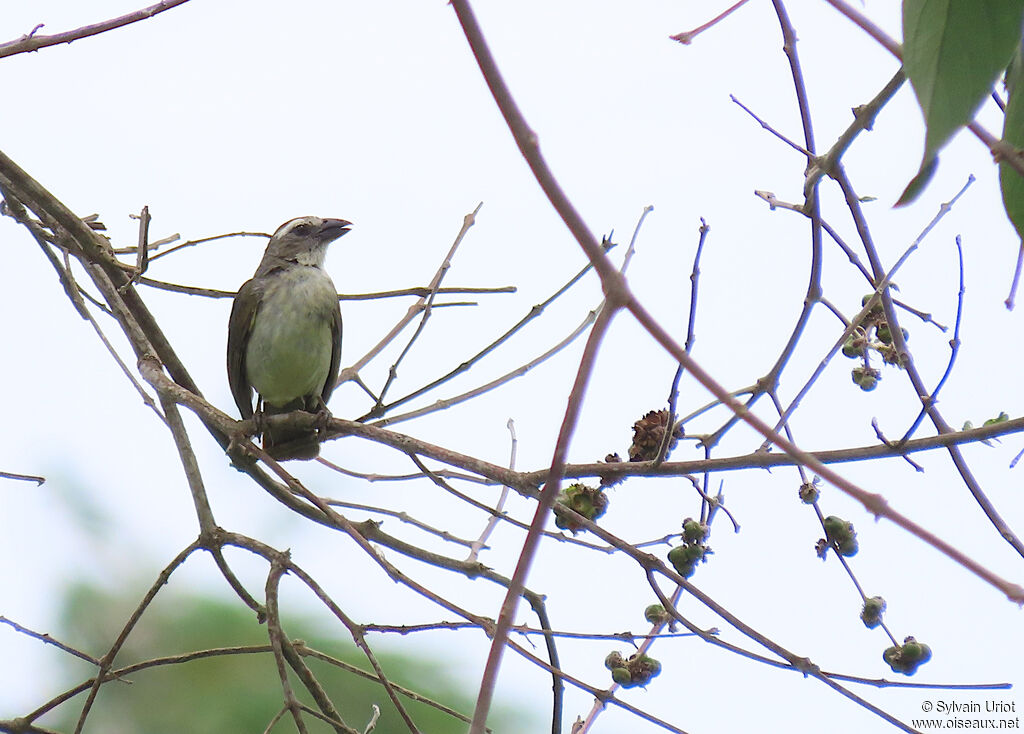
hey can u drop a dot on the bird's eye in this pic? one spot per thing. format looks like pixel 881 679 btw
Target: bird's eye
pixel 302 229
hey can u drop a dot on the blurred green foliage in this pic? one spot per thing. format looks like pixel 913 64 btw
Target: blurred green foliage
pixel 236 692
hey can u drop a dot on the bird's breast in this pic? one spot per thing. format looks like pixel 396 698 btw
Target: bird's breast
pixel 289 351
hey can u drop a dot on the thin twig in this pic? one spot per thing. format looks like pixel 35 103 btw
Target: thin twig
pixel 775 203
pixel 142 249
pixel 34 41
pixel 631 250
pixel 445 403
pixel 691 338
pixel 649 639
pixel 544 505
pixel 619 293
pixel 770 381
pixel 107 661
pixel 190 464
pixel 354 670
pixel 881 437
pixel 23 477
pixel 1011 298
pixel 17 210
pixel 768 460
pixel 201 240
pixel 278 641
pixel 468 221
pixel 404 517
pixel 798 148
pixel 881 288
pixel 492 522
pixel 43 637
pixel 916 381
pixel 954 347
pixel 533 313
pixel 686 37
pixel 1000 150
pixel 493 512
pixel 863 119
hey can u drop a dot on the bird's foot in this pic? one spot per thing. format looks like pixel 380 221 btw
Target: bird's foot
pixel 322 423
pixel 239 449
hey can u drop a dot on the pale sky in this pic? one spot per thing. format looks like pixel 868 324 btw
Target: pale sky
pixel 227 116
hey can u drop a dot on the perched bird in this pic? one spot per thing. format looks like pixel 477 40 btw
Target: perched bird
pixel 284 334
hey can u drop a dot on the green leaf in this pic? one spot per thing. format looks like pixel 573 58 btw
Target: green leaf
pixel 1001 418
pixel 953 51
pixel 918 182
pixel 1011 182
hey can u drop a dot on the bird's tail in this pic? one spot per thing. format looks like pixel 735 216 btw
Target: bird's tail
pixel 284 443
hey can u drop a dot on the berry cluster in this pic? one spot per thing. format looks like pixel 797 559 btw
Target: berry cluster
pixel 871 335
pixel 684 558
pixel 636 670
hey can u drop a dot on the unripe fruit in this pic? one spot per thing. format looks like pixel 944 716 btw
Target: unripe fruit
pixel 622 676
pixel 655 614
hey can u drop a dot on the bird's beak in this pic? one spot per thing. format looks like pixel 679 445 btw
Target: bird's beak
pixel 332 229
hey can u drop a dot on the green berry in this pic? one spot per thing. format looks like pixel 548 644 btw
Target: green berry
pixel 655 614
pixel 876 310
pixel 622 677
pixel 853 347
pixel 891 656
pixel 837 529
pixel 908 657
pixel 693 531
pixel 849 547
pixel 643 669
pixel 677 555
pixel 871 614
pixel 650 664
pixel 841 535
pixel 614 660
pixel 589 502
pixel 1001 418
pixel 694 553
pixel 682 560
pixel 809 493
pixel 865 377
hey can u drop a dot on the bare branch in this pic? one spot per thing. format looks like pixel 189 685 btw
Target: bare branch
pixel 34 41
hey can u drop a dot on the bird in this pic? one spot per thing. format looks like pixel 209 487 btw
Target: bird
pixel 284 334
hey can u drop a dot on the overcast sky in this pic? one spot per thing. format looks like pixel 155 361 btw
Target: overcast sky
pixel 226 116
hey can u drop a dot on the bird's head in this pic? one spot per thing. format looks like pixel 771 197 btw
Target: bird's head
pixel 304 240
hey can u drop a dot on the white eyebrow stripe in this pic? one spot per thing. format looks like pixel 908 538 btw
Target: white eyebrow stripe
pixel 291 224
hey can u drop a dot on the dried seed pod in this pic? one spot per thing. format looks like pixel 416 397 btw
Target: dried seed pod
pixel 649 433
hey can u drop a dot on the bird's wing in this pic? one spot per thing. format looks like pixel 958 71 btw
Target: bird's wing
pixel 332 373
pixel 243 314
